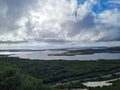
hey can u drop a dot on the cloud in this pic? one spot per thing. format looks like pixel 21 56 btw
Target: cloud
pixel 12 42
pixel 57 21
pixel 108 22
pixel 114 1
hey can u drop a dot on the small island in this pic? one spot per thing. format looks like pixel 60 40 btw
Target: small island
pixel 87 51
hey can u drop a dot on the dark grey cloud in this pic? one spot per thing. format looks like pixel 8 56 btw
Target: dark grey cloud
pixel 85 24
pixel 52 41
pixel 112 35
pixel 12 42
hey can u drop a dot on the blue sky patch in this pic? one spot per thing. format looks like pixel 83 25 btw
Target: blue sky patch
pixel 103 5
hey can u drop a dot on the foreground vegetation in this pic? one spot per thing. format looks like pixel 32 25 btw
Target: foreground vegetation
pixel 11 78
pixel 23 74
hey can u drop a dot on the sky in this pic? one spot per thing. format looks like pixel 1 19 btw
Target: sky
pixel 59 23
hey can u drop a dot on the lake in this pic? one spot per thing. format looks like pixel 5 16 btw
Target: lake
pixel 99 83
pixel 43 55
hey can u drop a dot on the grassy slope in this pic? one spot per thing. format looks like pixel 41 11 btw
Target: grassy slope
pixel 59 70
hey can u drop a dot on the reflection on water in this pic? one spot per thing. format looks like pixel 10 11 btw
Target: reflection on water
pixel 96 84
pixel 100 83
pixel 44 55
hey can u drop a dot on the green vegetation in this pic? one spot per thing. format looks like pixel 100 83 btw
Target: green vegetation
pixel 71 85
pixel 52 71
pixel 11 78
pixel 21 74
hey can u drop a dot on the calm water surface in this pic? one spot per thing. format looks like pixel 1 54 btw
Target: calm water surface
pixel 99 83
pixel 44 55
